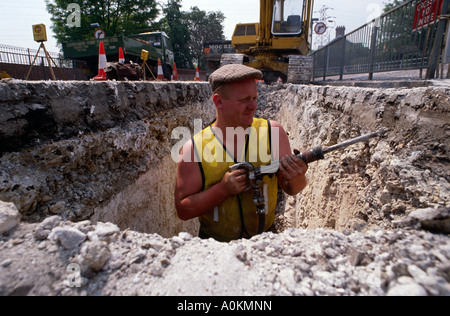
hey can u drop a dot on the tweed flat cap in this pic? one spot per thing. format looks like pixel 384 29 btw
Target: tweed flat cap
pixel 233 73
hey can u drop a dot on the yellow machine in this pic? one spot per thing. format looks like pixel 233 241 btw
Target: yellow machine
pixel 40 33
pixel 4 75
pixel 279 43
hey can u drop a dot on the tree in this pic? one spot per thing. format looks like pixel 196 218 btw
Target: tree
pixel 397 42
pixel 176 26
pixel 389 6
pixel 189 29
pixel 114 17
pixel 204 27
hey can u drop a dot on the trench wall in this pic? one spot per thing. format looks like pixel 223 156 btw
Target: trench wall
pixel 373 184
pixel 101 151
pixel 97 151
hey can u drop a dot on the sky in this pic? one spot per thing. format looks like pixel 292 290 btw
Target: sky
pixel 19 15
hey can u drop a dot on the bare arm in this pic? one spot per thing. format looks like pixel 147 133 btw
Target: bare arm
pixel 190 200
pixel 292 173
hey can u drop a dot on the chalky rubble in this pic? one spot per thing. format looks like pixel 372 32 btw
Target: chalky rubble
pixel 296 262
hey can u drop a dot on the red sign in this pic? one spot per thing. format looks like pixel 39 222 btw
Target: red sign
pixel 427 12
pixel 320 28
pixel 100 34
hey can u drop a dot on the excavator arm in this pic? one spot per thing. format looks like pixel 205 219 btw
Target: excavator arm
pixel 265 23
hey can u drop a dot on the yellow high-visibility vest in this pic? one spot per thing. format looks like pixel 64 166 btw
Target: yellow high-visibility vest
pixel 236 217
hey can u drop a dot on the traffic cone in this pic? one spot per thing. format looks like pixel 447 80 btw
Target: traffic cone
pixel 121 56
pixel 160 71
pixel 175 73
pixel 102 61
pixel 197 76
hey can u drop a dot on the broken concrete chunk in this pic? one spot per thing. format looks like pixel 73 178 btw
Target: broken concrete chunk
pixel 50 222
pixel 95 255
pixel 355 256
pixel 46 226
pixel 434 220
pixel 68 237
pixel 428 214
pixel 411 289
pixel 9 217
pixel 106 229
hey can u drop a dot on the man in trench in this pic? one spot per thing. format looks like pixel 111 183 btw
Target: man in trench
pixel 207 189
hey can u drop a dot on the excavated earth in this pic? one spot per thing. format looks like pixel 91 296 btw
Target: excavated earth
pixel 87 180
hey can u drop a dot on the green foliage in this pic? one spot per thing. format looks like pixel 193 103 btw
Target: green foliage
pixel 114 17
pixel 175 25
pixel 189 29
pixel 186 29
pixel 393 4
pixel 204 27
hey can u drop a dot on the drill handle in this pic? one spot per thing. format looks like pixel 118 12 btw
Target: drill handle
pixel 312 155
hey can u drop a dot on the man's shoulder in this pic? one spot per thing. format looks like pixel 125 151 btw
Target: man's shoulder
pixel 275 124
pixel 278 126
pixel 200 136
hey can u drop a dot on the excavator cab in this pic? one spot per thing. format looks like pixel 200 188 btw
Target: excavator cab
pixel 287 19
pixel 279 43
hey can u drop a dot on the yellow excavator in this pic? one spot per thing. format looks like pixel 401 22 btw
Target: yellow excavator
pixel 279 44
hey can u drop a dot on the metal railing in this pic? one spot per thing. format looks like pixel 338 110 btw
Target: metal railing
pixel 16 61
pixel 25 56
pixel 388 43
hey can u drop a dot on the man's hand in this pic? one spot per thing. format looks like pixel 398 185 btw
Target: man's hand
pixel 293 171
pixel 293 167
pixel 190 199
pixel 235 182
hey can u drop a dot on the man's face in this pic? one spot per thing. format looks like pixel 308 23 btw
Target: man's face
pixel 239 104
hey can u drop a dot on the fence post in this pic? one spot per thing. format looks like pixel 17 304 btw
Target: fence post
pixel 314 67
pixel 344 46
pixel 43 69
pixel 373 48
pixel 325 63
pixel 29 56
pixel 74 67
pixel 437 47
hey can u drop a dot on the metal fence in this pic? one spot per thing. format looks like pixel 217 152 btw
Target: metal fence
pixel 388 43
pixel 16 61
pixel 25 56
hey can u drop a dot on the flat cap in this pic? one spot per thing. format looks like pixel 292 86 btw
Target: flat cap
pixel 233 73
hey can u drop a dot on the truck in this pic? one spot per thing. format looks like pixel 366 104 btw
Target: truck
pixel 157 44
pixel 212 54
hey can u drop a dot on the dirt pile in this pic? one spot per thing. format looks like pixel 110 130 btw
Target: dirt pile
pixel 65 258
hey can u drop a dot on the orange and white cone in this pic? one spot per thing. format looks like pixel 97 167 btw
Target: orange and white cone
pixel 175 73
pixel 197 76
pixel 121 56
pixel 160 71
pixel 102 61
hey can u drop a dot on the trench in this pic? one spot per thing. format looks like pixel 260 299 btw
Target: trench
pixel 104 154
